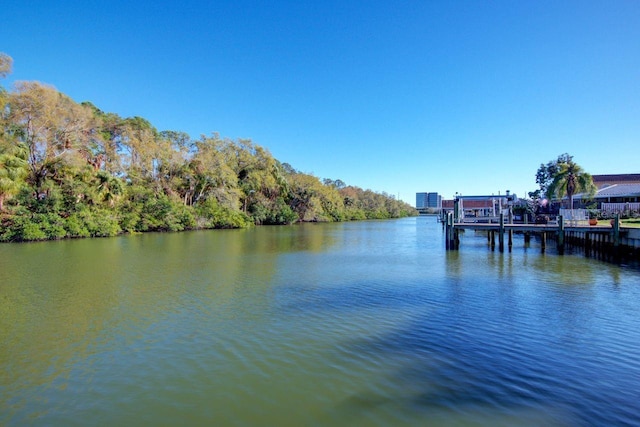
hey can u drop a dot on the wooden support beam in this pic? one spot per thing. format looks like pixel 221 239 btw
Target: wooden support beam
pixel 501 233
pixel 560 241
pixel 447 231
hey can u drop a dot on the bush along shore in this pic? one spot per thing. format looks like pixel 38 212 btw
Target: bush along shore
pixel 71 170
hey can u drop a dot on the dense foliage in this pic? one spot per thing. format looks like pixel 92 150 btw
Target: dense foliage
pixel 72 170
pixel 562 177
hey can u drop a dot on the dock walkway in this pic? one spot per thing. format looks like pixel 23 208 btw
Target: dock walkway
pixel 612 240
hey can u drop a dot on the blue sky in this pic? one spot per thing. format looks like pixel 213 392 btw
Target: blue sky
pixel 395 96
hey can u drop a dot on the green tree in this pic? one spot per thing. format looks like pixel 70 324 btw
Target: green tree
pixel 106 144
pixel 140 146
pixel 109 188
pixel 100 148
pixel 568 179
pixel 312 200
pixel 50 124
pixel 13 170
pixel 545 175
pixel 212 175
pixel 72 170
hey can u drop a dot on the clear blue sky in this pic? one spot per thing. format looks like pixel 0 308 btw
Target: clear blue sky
pixel 395 96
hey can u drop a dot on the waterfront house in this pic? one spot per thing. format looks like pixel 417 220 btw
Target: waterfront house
pixel 489 206
pixel 616 194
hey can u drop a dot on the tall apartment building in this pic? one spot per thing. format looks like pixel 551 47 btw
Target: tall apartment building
pixel 428 201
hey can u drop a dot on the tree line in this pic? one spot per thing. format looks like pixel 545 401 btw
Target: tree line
pixel 69 169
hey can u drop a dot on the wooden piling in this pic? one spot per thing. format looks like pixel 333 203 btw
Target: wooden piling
pixel 447 232
pixel 501 233
pixel 452 240
pixel 560 241
pixel 608 242
pixel 616 237
pixel 456 238
pixel 456 212
pixel 510 232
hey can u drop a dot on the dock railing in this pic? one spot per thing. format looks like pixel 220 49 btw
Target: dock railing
pixel 612 208
pixel 575 217
pixel 481 219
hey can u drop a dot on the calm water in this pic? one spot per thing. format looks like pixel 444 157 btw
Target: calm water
pixel 353 324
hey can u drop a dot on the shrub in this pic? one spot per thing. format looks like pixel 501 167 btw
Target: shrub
pixel 215 216
pixel 76 226
pixel 37 226
pixel 103 223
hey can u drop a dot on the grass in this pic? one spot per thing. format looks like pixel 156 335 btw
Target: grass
pixel 631 223
pixel 635 223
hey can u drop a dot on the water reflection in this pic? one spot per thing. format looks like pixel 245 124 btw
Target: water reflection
pixel 369 323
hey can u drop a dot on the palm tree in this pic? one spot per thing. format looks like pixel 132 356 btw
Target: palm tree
pixel 570 179
pixel 110 188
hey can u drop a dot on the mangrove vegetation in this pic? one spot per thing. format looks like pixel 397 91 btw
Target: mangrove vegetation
pixel 69 169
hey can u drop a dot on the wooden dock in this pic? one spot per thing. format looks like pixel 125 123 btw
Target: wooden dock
pixel 610 240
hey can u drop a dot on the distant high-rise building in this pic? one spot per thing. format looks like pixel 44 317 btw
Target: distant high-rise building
pixel 434 200
pixel 421 200
pixel 428 201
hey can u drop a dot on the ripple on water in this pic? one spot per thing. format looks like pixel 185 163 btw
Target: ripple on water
pixel 378 327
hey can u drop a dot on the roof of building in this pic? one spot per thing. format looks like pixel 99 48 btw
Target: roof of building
pixel 625 178
pixel 470 204
pixel 615 190
pixel 481 201
pixel 490 197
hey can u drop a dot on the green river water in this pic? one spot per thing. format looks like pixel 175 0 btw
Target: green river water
pixel 351 324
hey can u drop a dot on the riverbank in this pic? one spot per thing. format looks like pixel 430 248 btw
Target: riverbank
pixel 139 208
pixel 35 226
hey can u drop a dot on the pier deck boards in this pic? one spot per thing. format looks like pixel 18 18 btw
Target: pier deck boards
pixel 609 240
pixel 534 228
pixel 612 239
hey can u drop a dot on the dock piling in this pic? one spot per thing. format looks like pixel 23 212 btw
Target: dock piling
pixel 610 241
pixel 501 233
pixel 560 241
